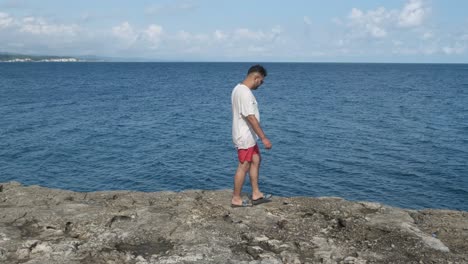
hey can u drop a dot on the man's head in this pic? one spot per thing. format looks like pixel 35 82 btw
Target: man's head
pixel 255 76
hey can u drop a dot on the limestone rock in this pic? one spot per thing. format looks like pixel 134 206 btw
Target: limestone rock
pixel 41 225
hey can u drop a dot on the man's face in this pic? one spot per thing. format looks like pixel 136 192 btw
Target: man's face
pixel 258 80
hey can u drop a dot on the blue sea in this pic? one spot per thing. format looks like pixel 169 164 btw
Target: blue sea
pixel 390 133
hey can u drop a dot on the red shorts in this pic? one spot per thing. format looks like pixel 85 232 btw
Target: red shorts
pixel 247 154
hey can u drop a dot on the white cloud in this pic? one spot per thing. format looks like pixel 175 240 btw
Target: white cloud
pixel 380 22
pixel 41 35
pixel 402 31
pixel 376 31
pixel 429 50
pixel 184 36
pixel 39 26
pixel 397 42
pixel 153 39
pixel 256 49
pixel 125 32
pixel 5 20
pixel 372 22
pixel 150 37
pixel 277 30
pixel 427 35
pixel 356 14
pixel 413 14
pixel 456 49
pixel 220 35
pixel 337 21
pixel 154 34
pixel 261 36
pixel 245 33
pixel 359 34
pixel 191 38
pixel 191 43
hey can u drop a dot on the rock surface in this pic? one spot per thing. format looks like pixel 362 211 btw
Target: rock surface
pixel 41 225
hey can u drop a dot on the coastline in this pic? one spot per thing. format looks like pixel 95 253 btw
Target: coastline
pixel 42 225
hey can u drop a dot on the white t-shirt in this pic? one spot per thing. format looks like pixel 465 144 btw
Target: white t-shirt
pixel 243 104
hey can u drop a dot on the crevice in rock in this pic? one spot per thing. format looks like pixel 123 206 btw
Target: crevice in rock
pixel 68 227
pixel 33 245
pixel 29 229
pixel 173 230
pixel 227 218
pixel 159 247
pixel 14 221
pixel 118 218
pixel 282 224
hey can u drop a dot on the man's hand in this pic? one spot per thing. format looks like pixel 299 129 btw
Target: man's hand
pixel 258 130
pixel 266 143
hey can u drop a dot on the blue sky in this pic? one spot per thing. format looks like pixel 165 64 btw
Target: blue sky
pixel 255 30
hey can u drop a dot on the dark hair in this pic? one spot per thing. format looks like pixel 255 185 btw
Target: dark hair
pixel 258 68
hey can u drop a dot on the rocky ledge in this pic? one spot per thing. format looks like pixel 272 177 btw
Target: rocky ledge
pixel 41 225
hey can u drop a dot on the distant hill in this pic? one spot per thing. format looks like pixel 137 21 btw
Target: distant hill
pixel 12 57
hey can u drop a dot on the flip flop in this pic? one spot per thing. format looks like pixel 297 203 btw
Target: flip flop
pixel 265 199
pixel 245 203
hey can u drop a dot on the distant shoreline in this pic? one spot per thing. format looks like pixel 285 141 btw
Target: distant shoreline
pixel 44 60
pixel 12 58
pixel 6 57
pixel 77 60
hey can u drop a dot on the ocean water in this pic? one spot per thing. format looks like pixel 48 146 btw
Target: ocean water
pixel 390 133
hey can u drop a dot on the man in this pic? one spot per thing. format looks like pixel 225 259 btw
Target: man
pixel 246 130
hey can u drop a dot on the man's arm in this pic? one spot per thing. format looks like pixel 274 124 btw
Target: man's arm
pixel 259 131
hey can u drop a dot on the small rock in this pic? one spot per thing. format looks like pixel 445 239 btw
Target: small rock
pixel 30 244
pixel 304 245
pixel 14 184
pixel 261 239
pixel 349 260
pixel 353 260
pixel 342 222
pixel 290 258
pixel 371 205
pixel 276 245
pixel 269 258
pixel 42 248
pixel 282 223
pixel 255 251
pixel 3 254
pixel 141 260
pixel 4 237
pixel 22 253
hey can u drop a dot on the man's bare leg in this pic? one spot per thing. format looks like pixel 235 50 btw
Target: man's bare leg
pixel 239 178
pixel 253 173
